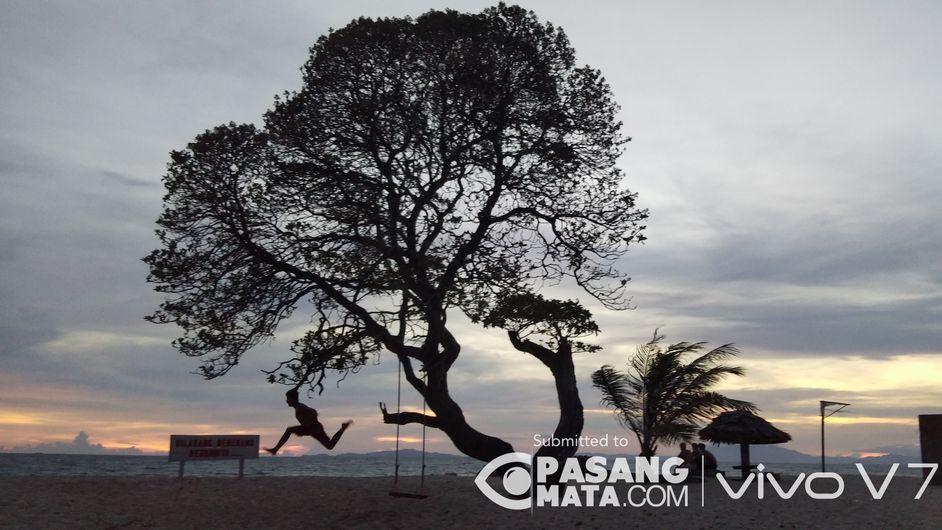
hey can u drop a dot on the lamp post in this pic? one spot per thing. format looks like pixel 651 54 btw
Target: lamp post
pixel 824 405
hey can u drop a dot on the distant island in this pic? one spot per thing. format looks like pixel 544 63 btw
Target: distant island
pixel 724 453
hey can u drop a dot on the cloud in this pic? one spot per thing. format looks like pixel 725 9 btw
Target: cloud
pixel 125 180
pixel 80 445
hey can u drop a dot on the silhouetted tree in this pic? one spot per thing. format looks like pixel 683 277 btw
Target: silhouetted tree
pixel 425 166
pixel 662 399
pixel 547 329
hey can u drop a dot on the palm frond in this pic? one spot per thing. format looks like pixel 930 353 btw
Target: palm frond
pixel 617 393
pixel 663 399
pixel 613 385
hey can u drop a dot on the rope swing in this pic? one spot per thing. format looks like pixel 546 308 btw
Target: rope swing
pixel 396 492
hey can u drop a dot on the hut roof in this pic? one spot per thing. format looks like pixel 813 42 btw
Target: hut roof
pixel 742 427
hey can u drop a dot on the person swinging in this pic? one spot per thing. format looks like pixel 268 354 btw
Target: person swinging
pixel 309 426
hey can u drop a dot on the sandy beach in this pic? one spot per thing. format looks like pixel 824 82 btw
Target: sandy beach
pixel 453 502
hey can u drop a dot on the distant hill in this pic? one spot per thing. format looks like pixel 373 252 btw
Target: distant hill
pixel 774 454
pixel 763 453
pixel 403 453
pixel 727 454
pixel 886 459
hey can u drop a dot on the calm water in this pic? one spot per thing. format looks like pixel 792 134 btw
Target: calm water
pixel 321 465
pixel 341 465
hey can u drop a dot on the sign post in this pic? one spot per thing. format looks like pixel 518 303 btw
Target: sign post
pixel 184 447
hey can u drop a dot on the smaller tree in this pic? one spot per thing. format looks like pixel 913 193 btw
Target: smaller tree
pixel 549 330
pixel 662 399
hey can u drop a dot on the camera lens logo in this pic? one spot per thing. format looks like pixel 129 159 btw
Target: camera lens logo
pixel 516 480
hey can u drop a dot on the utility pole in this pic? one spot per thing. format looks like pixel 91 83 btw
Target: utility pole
pixel 824 405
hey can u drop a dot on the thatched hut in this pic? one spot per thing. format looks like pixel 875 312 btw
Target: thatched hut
pixel 743 428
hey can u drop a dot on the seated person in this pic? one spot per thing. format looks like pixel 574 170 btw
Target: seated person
pixel 695 460
pixel 709 460
pixel 685 454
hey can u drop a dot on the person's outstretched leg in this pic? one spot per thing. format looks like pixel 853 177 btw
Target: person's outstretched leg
pixel 284 439
pixel 336 437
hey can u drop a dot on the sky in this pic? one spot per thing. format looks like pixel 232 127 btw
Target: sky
pixel 789 152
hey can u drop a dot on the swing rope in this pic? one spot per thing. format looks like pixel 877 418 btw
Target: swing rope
pixel 424 424
pixel 398 410
pixel 395 491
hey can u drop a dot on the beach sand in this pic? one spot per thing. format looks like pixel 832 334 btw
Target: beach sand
pixel 453 502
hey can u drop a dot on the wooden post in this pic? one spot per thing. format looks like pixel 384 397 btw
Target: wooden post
pixel 241 466
pixel 180 473
pixel 744 460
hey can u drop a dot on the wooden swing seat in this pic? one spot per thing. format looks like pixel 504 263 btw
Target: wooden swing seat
pixel 407 494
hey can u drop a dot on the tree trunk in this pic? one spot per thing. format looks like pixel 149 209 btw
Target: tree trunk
pixel 571 417
pixel 449 418
pixel 452 421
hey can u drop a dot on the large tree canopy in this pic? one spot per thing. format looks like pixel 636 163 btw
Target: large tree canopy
pixel 425 165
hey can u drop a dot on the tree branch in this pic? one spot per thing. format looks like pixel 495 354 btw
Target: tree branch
pixel 405 418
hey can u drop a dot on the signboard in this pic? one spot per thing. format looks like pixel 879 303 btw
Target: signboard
pixel 185 447
pixel 213 447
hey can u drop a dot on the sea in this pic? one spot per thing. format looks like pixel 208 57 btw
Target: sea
pixel 345 465
pixel 341 465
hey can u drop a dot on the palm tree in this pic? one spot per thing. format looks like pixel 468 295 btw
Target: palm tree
pixel 662 399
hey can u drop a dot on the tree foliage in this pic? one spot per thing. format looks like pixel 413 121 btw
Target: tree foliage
pixel 553 323
pixel 425 166
pixel 661 398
